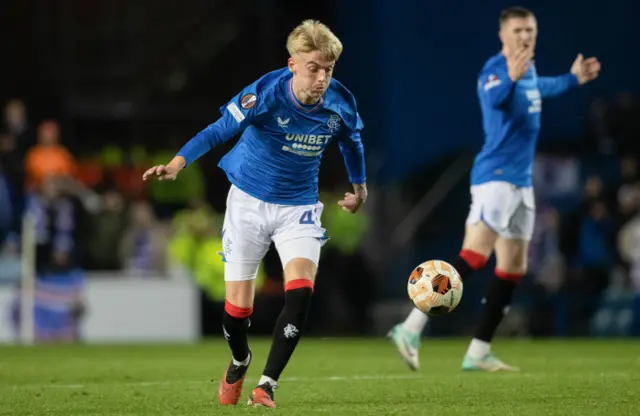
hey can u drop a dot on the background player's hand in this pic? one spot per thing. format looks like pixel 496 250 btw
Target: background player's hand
pixel 585 69
pixel 353 201
pixel 519 62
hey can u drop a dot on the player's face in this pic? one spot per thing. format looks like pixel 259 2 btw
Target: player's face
pixel 517 33
pixel 312 74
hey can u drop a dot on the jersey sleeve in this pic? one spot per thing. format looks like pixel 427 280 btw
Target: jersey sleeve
pixel 554 86
pixel 351 147
pixel 237 115
pixel 495 86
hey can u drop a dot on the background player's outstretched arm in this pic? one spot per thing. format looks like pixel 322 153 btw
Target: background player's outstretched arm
pixel 554 86
pixel 582 71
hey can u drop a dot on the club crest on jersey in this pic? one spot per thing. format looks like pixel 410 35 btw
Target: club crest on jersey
pixel 334 123
pixel 492 81
pixel 248 101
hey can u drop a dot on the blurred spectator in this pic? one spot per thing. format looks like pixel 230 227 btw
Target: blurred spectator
pixel 89 172
pixel 17 126
pixel 59 282
pixel 10 262
pixel 547 271
pixel 53 212
pixel 595 249
pixel 556 180
pixel 144 247
pixel 11 187
pixel 628 191
pixel 107 228
pixel 6 206
pixel 546 262
pixel 48 157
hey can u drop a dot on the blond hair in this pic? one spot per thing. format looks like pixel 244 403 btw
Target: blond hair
pixel 311 35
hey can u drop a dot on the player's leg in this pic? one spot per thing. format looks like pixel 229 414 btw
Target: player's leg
pixel 479 240
pixel 511 265
pixel 244 245
pixel 299 280
pixel 298 243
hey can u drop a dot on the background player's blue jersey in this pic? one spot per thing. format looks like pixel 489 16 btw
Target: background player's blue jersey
pixel 511 121
pixel 277 158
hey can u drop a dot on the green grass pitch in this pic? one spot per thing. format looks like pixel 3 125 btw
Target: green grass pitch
pixel 325 376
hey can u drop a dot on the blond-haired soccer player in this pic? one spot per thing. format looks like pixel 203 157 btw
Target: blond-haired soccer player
pixel 287 118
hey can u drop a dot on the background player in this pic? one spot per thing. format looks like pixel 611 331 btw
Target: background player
pixel 287 119
pixel 501 216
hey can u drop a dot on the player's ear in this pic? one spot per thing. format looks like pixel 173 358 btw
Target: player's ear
pixel 291 64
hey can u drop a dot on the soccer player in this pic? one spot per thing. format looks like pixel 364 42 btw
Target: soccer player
pixel 501 216
pixel 287 119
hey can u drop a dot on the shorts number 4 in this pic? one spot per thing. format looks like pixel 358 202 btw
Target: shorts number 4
pixel 307 217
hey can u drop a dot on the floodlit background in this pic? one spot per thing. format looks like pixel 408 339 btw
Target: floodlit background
pixel 94 92
pixel 120 284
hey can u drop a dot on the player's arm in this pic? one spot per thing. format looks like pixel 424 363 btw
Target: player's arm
pixel 235 118
pixel 496 87
pixel 352 149
pixel 554 86
pixel 226 127
pixel 582 71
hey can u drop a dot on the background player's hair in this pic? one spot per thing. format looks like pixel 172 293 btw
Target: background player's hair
pixel 311 35
pixel 517 12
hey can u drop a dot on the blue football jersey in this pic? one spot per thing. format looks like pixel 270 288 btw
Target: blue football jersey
pixel 511 115
pixel 277 157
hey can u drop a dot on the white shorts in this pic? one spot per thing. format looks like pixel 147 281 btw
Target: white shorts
pixel 250 225
pixel 505 208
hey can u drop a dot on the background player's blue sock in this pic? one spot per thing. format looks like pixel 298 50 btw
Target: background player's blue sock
pixel 289 326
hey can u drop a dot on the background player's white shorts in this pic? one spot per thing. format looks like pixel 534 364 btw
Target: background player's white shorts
pixel 507 209
pixel 251 224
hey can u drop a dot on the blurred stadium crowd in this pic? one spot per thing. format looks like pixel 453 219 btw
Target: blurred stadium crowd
pixel 94 213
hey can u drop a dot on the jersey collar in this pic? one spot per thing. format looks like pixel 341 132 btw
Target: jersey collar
pixel 299 106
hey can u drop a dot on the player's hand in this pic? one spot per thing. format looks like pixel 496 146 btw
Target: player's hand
pixel 167 172
pixel 585 70
pixel 162 173
pixel 353 201
pixel 519 62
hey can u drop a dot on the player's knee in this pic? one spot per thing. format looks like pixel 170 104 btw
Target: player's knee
pixel 300 269
pixel 300 257
pixel 240 294
pixel 240 283
pixel 480 239
pixel 513 267
pixel 511 256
